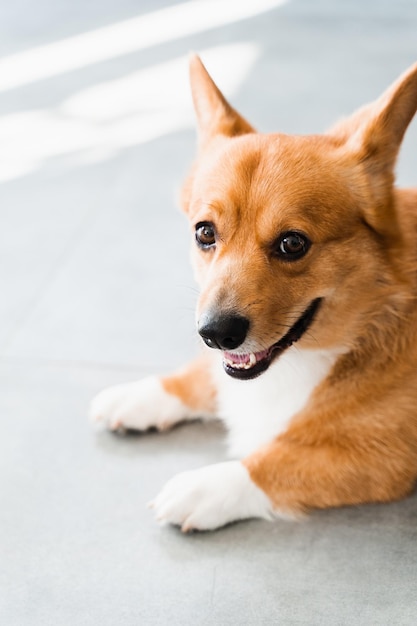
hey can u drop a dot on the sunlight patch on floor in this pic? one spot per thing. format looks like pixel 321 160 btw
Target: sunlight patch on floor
pixel 95 123
pixel 126 37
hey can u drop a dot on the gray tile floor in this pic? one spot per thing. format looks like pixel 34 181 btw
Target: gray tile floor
pixel 96 289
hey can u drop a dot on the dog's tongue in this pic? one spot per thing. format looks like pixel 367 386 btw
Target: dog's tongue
pixel 245 359
pixel 237 358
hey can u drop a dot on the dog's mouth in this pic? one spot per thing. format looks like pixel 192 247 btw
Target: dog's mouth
pixel 247 366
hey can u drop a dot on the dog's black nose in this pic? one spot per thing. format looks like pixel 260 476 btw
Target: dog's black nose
pixel 225 332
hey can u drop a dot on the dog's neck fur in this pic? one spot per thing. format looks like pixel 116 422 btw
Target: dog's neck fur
pixel 257 411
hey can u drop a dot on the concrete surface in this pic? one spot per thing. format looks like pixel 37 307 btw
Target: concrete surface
pixel 96 289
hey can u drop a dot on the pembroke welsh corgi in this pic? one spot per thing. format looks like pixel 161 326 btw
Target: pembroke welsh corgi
pixel 306 255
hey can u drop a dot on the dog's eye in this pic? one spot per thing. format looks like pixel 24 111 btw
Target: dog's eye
pixel 291 246
pixel 205 235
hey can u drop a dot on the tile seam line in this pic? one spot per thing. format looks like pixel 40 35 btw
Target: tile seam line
pixel 79 364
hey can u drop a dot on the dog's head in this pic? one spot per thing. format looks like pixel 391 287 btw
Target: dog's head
pixel 294 238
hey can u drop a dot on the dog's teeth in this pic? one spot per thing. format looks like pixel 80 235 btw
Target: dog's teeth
pixel 242 365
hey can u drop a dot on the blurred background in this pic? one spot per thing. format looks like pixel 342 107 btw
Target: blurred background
pixel 96 134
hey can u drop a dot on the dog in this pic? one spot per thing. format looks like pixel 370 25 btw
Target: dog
pixel 306 256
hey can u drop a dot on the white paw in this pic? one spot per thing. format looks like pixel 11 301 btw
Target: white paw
pixel 211 497
pixel 139 405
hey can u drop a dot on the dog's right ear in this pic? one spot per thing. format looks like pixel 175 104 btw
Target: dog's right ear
pixel 214 114
pixel 373 136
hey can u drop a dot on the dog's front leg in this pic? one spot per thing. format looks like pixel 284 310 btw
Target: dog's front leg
pixel 287 478
pixel 158 402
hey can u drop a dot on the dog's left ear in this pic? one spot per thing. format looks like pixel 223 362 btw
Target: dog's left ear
pixel 374 133
pixel 215 116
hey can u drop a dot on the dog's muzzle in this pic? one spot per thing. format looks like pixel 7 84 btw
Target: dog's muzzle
pixel 228 332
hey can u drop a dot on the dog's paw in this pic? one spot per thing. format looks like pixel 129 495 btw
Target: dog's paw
pixel 211 497
pixel 138 405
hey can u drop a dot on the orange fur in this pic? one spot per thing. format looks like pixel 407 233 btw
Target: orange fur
pixel 193 385
pixel 356 439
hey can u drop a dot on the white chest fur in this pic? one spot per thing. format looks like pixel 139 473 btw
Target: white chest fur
pixel 256 411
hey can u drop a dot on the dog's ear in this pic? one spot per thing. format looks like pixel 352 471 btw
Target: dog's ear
pixel 214 114
pixel 374 133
